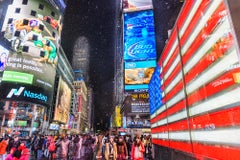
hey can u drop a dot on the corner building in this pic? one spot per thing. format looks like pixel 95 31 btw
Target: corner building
pixel 34 69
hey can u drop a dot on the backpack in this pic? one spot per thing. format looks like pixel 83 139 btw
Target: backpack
pixel 52 147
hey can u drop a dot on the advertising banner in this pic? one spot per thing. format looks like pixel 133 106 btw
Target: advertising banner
pixel 139 36
pixel 138 74
pixel 3 58
pixel 63 102
pixel 133 5
pixel 140 107
pixel 118 117
pixel 33 28
pixel 133 122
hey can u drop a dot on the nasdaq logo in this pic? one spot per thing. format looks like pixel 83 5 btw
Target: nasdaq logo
pixel 16 92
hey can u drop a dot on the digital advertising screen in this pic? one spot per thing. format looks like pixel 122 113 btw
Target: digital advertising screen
pixel 54 126
pixel 132 5
pixel 139 36
pixel 3 58
pixel 33 29
pixel 63 102
pixel 138 74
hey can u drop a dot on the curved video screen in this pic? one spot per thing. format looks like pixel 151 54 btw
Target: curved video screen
pixel 33 29
pixel 63 102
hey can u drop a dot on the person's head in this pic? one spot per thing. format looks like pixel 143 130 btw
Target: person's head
pixel 137 140
pixel 121 139
pixel 15 137
pixel 111 138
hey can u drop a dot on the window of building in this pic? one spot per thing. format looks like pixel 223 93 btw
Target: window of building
pixel 41 6
pixel 33 13
pixel 10 20
pixel 25 2
pixel 53 14
pixel 17 10
pixel 53 34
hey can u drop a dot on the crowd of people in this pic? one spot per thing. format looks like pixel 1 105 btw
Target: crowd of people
pixel 76 147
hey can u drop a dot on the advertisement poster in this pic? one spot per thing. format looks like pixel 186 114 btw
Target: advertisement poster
pixel 138 74
pixel 63 102
pixel 139 36
pixel 129 5
pixel 33 29
pixel 3 58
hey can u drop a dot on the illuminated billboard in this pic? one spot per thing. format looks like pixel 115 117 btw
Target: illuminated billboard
pixel 155 90
pixel 63 102
pixel 132 5
pixel 33 28
pixel 139 36
pixel 3 58
pixel 138 74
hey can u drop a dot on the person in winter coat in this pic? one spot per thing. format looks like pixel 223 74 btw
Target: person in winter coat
pixel 111 149
pixel 137 149
pixel 76 148
pixel 25 154
pixel 40 147
pixel 86 150
pixel 62 148
pixel 122 150
pixel 18 152
pixel 13 143
pixel 3 148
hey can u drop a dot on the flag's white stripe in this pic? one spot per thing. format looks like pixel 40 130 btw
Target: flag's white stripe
pixel 172 67
pixel 222 100
pixel 220 67
pixel 174 45
pixel 174 82
pixel 179 96
pixel 224 136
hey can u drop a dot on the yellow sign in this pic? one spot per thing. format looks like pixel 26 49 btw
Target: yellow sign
pixel 140 96
pixel 118 117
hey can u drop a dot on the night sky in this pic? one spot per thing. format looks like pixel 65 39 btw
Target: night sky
pixel 94 20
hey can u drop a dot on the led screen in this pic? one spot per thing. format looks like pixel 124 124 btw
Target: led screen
pixel 33 30
pixel 21 123
pixel 138 74
pixel 136 4
pixel 54 126
pixel 139 36
pixel 3 58
pixel 63 102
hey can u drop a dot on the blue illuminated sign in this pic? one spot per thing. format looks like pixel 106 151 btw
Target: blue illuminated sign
pixel 139 36
pixel 33 95
pixel 155 92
